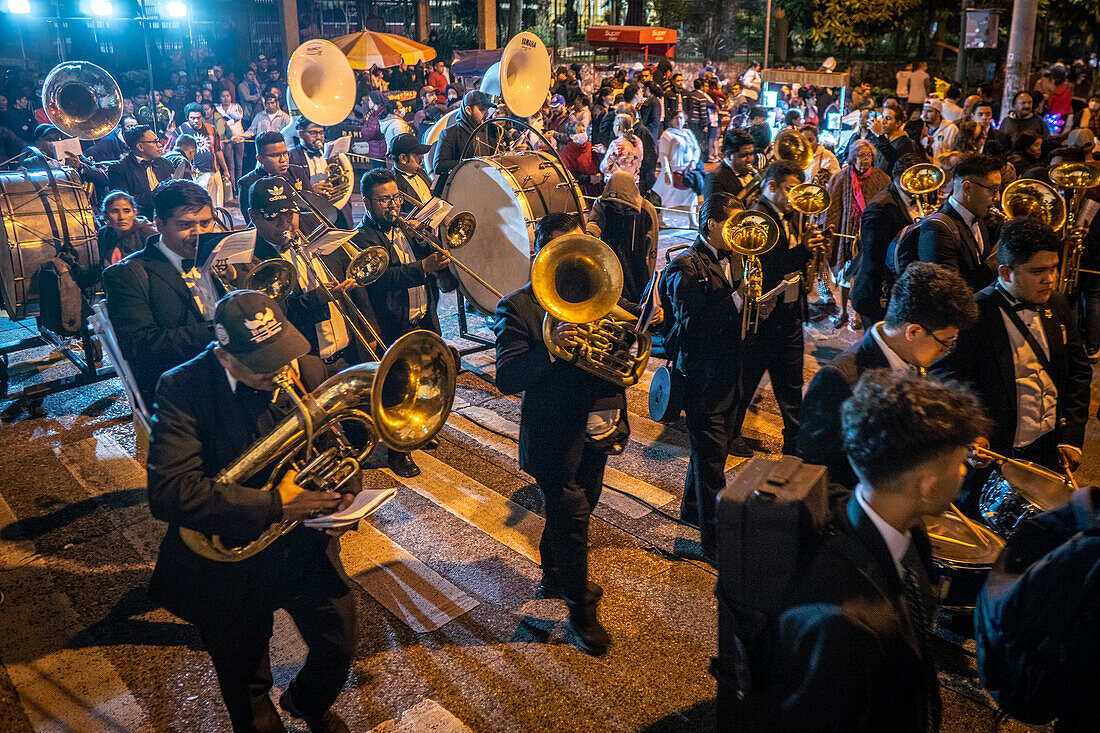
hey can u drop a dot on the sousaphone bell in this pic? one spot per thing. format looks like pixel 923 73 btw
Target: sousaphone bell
pixel 82 100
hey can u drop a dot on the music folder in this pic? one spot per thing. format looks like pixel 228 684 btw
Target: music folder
pixel 330 241
pixel 225 248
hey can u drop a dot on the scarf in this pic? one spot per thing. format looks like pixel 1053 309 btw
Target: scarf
pixel 857 194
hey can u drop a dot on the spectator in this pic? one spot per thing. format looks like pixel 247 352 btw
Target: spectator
pixel 600 109
pixel 627 223
pixel 20 118
pixel 901 86
pixel 581 160
pixel 952 112
pixel 271 119
pixel 758 128
pixel 1025 152
pixel 751 78
pixel 232 144
pixel 181 157
pixel 439 78
pixel 625 151
pixel 1022 118
pixel 209 161
pixel 941 134
pixel 698 112
pixel 919 83
pixel 145 115
pixel 651 110
pixel 679 156
pixel 890 138
pixel 401 77
pixel 371 131
pixel 393 123
pixel 1090 116
pixel 125 232
pixel 676 97
pixel 580 112
pixel 248 92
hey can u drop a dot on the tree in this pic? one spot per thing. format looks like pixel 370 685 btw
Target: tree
pixel 847 23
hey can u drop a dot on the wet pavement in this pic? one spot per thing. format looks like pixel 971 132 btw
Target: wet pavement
pixel 450 636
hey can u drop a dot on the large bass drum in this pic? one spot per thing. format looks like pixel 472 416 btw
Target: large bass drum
pixel 40 217
pixel 507 194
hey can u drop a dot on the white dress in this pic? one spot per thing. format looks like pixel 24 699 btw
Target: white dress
pixel 680 148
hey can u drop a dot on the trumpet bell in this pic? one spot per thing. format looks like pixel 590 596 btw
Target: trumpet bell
pixel 275 278
pixel 922 178
pixel 1034 199
pixel 459 229
pixel 809 198
pixel 577 278
pixel 1075 175
pixel 750 233
pixel 82 100
pixel 790 145
pixel 368 265
pixel 320 82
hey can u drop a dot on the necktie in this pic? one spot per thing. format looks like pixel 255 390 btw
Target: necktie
pixel 919 620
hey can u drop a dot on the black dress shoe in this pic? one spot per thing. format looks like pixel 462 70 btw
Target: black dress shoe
pixel 588 633
pixel 330 722
pixel 739 448
pixel 402 464
pixel 549 589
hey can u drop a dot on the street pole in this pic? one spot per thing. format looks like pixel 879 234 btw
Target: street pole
pixel 960 64
pixel 144 20
pixel 767 33
pixel 1021 40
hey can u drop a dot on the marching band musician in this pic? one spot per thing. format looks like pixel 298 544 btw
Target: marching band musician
pixel 698 288
pixel 735 171
pixel 142 169
pixel 401 299
pixel 272 159
pixel 208 411
pixel 570 419
pixel 453 140
pixel 159 303
pixel 310 154
pixel 777 345
pixel 407 156
pixel 1024 358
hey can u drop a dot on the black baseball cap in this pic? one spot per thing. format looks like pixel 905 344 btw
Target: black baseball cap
pixel 253 329
pixel 271 196
pixel 43 130
pixel 475 98
pixel 407 144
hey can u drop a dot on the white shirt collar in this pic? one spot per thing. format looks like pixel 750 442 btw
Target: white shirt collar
pixel 896 542
pixel 172 257
pixel 967 217
pixel 897 364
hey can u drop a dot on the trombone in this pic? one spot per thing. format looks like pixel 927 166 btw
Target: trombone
pixel 750 234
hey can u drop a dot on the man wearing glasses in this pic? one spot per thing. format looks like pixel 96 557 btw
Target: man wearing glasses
pixel 928 307
pixel 310 154
pixel 140 170
pixel 401 299
pixel 1024 358
pixel 957 236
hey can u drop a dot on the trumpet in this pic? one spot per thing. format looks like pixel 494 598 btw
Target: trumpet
pixel 750 234
pixel 578 279
pixel 810 199
pixel 458 229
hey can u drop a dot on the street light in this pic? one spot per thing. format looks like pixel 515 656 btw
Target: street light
pixel 177 10
pixel 102 7
pixel 19 7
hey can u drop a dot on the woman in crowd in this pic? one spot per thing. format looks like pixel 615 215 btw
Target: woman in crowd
pixel 580 112
pixel 233 114
pixel 1025 152
pixel 679 154
pixel 125 231
pixel 371 131
pixel 393 124
pixel 850 190
pixel 625 151
pixel 581 160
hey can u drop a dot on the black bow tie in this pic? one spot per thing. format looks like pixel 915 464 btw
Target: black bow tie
pixel 1022 306
pixel 723 254
pixel 145 163
pixel 313 153
pixel 187 265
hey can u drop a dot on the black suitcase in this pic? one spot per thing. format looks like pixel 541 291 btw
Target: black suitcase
pixel 771 519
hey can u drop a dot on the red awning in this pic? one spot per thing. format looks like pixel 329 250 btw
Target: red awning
pixel 658 41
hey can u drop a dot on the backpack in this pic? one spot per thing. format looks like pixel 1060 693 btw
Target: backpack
pixel 772 518
pixel 903 249
pixel 1037 621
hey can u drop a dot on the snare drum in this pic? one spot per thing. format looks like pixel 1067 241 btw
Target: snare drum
pixel 507 194
pixel 1017 491
pixel 962 559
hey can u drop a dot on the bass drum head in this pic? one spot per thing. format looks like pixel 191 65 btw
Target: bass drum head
pixel 666 395
pixel 37 223
pixel 507 195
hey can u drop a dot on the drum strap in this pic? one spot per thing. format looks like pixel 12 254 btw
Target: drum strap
pixel 66 240
pixel 1029 337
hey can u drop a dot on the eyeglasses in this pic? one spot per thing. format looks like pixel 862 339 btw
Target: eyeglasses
pixel 387 200
pixel 949 344
pixel 154 141
pixel 992 189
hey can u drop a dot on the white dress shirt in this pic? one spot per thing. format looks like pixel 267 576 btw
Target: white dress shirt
pixel 1036 393
pixel 897 364
pixel 418 295
pixel 417 184
pixel 971 221
pixel 201 285
pixel 896 542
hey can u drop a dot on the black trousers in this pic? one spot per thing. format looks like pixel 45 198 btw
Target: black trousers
pixel 569 504
pixel 775 348
pixel 239 650
pixel 710 405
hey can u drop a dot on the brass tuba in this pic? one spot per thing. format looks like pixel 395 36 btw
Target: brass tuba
pixel 750 234
pixel 810 199
pixel 82 100
pixel 922 181
pixel 578 279
pixel 404 400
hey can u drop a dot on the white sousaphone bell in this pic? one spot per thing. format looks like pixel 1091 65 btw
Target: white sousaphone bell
pixel 522 76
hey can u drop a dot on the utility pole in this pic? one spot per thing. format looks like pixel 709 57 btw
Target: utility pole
pixel 487 24
pixel 1021 40
pixel 960 65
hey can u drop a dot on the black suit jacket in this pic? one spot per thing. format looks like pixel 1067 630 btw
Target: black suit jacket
pixel 296 174
pixel 722 179
pixel 298 158
pixel 946 240
pixel 130 176
pixel 557 396
pixel 983 359
pixel 200 427
pixel 820 440
pixel 154 315
pixel 847 658
pixel 412 200
pixel 886 215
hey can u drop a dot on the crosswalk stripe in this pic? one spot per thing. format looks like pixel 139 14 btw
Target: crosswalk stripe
pixel 427 716
pixel 502 519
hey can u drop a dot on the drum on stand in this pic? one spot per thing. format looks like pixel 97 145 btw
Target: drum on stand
pixel 1017 491
pixel 507 194
pixel 37 222
pixel 963 553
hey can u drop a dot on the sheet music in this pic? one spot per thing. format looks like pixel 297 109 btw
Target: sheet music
pixel 69 145
pixel 1088 213
pixel 432 213
pixel 330 241
pixel 333 148
pixel 225 248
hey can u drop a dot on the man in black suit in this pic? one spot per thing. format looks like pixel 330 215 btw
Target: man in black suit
pixel 777 345
pixel 854 653
pixel 735 171
pixel 159 303
pixel 1024 357
pixel 401 299
pixel 407 154
pixel 570 419
pixel 930 304
pixel 956 236
pixel 698 291
pixel 139 171
pixel 209 410
pixel 272 159
pixel 886 215
pixel 310 155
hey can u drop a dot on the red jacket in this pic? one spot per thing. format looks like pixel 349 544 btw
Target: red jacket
pixel 437 80
pixel 583 165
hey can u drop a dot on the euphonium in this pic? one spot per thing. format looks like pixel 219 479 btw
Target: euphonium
pixel 578 279
pixel 790 145
pixel 404 400
pixel 750 234
pixel 1034 199
pixel 1075 177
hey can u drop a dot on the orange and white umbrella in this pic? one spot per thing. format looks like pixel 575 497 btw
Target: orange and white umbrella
pixel 371 48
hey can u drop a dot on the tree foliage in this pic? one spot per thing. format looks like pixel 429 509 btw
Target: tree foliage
pixel 858 23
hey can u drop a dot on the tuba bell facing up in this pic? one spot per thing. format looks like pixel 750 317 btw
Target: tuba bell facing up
pixel 402 400
pixel 578 279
